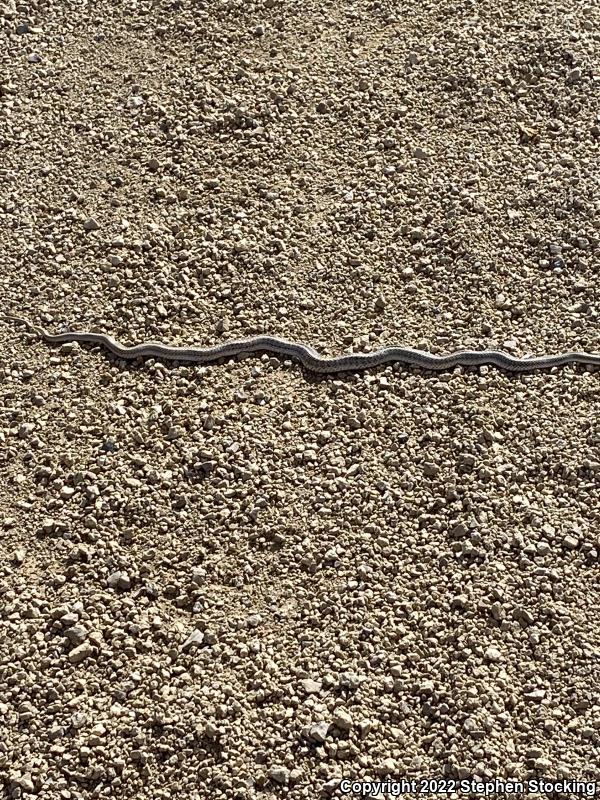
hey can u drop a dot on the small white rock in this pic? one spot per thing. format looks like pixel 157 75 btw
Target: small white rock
pixel 493 654
pixel 342 719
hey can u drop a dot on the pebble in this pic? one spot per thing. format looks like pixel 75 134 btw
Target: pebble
pixel 535 695
pixel 342 719
pixel 81 653
pixel 421 153
pixel 279 774
pixel 119 580
pixel 571 542
pixel 76 634
pixel 318 731
pixel 493 654
pixel 196 637
pixel 430 469
pixel 310 686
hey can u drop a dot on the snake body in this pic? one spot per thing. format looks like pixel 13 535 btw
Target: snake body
pixel 309 357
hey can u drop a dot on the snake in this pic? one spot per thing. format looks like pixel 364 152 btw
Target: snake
pixel 309 357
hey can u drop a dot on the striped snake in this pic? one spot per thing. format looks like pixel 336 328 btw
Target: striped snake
pixel 309 357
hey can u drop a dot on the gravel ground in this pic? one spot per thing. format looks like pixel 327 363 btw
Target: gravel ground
pixel 241 581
